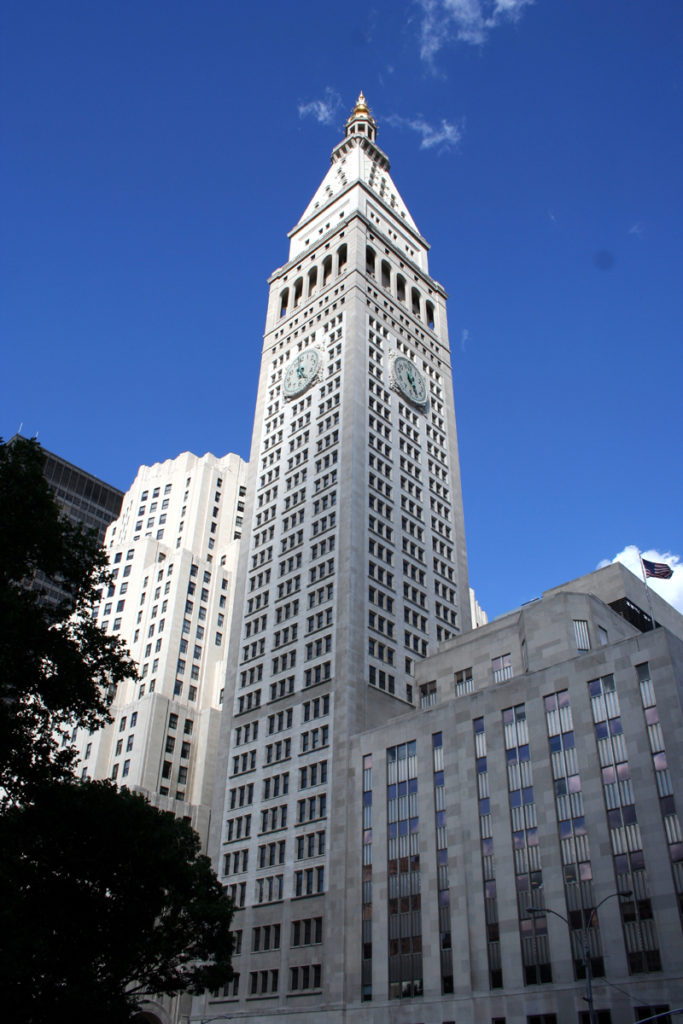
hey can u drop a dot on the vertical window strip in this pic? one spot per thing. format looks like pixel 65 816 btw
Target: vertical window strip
pixel 444 892
pixel 403 852
pixel 667 804
pixel 464 682
pixel 574 844
pixel 525 848
pixel 640 933
pixel 488 863
pixel 581 635
pixel 366 916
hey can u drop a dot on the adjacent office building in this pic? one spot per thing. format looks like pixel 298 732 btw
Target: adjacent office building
pixel 83 498
pixel 543 770
pixel 399 797
pixel 172 554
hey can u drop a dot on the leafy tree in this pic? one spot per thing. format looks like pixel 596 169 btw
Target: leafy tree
pixel 58 669
pixel 103 898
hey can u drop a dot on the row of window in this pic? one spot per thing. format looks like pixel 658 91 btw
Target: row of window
pixel 316 277
pixel 397 284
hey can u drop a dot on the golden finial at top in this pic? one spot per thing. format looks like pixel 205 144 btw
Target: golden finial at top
pixel 361 105
pixel 361 123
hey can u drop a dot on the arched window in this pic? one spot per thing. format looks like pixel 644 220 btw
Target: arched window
pixel 430 315
pixel 341 258
pixel 327 269
pixel 370 260
pixel 284 300
pixel 386 275
pixel 400 288
pixel 312 279
pixel 298 290
pixel 415 301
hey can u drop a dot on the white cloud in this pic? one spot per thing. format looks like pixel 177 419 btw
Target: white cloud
pixel 464 338
pixel 468 21
pixel 441 136
pixel 325 110
pixel 671 590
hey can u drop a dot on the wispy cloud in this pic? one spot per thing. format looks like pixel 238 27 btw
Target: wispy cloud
pixel 636 229
pixel 432 136
pixel 671 590
pixel 469 21
pixel 323 110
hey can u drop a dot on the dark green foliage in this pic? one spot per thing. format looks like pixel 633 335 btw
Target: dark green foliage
pixel 58 669
pixel 103 898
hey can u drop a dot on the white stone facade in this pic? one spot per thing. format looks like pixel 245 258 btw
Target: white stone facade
pixel 354 569
pixel 172 553
pixel 479 616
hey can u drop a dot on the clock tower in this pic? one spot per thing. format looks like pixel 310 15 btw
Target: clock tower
pixel 352 570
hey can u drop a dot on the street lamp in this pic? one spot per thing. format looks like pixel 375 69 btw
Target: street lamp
pixel 208 1020
pixel 539 911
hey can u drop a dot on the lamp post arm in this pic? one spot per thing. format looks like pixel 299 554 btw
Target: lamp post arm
pixel 207 1020
pixel 665 1013
pixel 540 911
pixel 547 910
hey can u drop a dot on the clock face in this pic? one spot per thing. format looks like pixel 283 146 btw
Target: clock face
pixel 301 372
pixel 410 381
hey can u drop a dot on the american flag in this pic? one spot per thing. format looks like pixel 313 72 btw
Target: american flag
pixel 660 570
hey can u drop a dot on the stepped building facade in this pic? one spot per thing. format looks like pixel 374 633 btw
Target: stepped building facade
pixel 172 555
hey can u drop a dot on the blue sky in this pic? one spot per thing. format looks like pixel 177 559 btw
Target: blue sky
pixel 156 154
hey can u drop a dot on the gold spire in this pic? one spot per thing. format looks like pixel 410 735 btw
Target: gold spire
pixel 361 106
pixel 361 122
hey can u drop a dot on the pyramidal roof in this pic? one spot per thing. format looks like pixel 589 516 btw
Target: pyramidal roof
pixel 357 159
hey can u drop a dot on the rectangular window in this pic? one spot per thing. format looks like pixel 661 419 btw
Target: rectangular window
pixel 502 668
pixel 581 636
pixel 464 682
pixel 427 694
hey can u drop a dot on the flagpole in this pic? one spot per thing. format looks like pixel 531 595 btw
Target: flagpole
pixel 649 596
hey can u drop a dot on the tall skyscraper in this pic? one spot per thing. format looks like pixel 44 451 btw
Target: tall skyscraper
pixel 172 554
pixel 353 566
